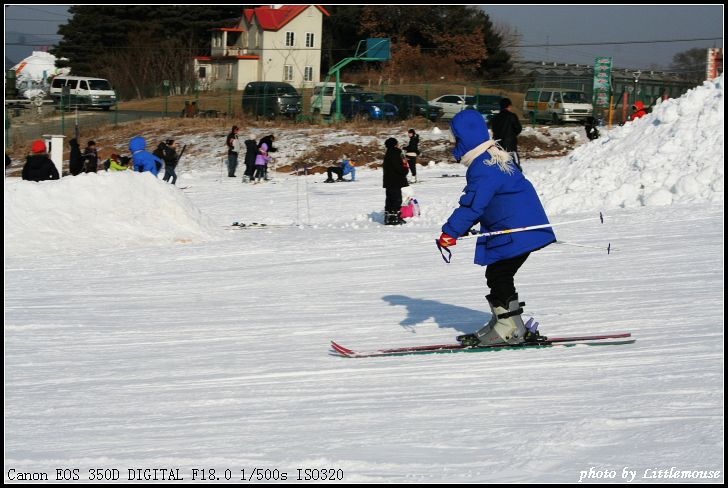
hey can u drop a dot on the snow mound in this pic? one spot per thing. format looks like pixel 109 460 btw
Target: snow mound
pixel 102 210
pixel 673 155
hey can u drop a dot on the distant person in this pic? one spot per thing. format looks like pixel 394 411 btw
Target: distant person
pixel 412 150
pixel 251 153
pixel 591 126
pixel 143 160
pixel 394 172
pixel 233 147
pixel 268 140
pixel 638 111
pixel 38 166
pixel 8 161
pixel 506 127
pixel 75 163
pixel 90 158
pixel 170 160
pixel 117 163
pixel 343 167
pixel 261 161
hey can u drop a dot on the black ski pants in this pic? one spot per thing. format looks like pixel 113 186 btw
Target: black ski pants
pixel 499 277
pixel 393 201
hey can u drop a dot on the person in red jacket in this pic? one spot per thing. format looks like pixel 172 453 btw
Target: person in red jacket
pixel 638 110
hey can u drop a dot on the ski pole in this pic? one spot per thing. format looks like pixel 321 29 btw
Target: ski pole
pixel 510 231
pixel 530 227
pixel 601 248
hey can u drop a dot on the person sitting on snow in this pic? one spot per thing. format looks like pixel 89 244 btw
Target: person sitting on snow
pixel 343 167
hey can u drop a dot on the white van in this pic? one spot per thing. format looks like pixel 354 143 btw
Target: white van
pixel 324 94
pixel 84 91
pixel 556 105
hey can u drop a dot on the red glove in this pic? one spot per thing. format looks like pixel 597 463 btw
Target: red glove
pixel 447 240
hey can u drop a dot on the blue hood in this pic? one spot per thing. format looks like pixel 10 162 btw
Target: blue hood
pixel 470 130
pixel 137 144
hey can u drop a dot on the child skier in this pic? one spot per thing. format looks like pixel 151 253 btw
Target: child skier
pixel 498 197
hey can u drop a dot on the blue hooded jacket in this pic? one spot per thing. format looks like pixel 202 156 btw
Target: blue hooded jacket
pixel 494 198
pixel 143 160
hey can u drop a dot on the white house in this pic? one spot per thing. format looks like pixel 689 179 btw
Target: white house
pixel 272 43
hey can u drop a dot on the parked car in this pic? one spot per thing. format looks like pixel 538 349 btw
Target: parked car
pixel 413 106
pixel 557 105
pixel 488 105
pixel 271 98
pixel 366 105
pixel 450 104
pixel 82 91
pixel 325 93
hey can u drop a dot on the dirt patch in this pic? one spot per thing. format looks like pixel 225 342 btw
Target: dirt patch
pixel 544 145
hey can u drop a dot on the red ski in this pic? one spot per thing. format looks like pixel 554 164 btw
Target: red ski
pixel 595 340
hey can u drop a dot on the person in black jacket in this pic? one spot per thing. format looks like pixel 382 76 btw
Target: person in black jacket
pixel 412 151
pixel 233 147
pixel 75 163
pixel 591 128
pixel 395 178
pixel 90 158
pixel 169 154
pixel 506 127
pixel 38 166
pixel 251 151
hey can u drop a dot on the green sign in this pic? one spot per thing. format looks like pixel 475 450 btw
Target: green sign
pixel 602 81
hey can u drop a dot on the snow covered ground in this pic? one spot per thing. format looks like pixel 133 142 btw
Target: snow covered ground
pixel 141 333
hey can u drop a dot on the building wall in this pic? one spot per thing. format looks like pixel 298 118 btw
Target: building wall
pixel 275 54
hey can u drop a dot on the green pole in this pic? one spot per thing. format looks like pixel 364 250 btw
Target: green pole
pixel 7 129
pixel 338 97
pixel 63 118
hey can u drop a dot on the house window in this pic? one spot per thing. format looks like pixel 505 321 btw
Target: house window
pixel 202 73
pixel 288 72
pixel 215 72
pixel 310 39
pixel 229 75
pixel 308 73
pixel 290 39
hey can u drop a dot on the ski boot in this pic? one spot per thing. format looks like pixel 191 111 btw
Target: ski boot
pixel 393 218
pixel 329 180
pixel 505 326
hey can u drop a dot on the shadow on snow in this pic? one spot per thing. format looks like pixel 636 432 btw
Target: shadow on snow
pixel 465 320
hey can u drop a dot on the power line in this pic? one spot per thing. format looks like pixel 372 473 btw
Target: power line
pixel 43 11
pixel 605 43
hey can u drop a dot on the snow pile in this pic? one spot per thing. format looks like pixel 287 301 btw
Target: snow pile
pixel 104 210
pixel 32 73
pixel 673 155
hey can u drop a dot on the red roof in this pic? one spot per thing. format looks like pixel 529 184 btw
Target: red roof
pixel 275 19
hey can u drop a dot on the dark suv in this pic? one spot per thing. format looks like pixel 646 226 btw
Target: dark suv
pixel 271 98
pixel 488 105
pixel 366 105
pixel 410 106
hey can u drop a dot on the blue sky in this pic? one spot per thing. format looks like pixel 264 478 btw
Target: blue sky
pixel 537 24
pixel 561 24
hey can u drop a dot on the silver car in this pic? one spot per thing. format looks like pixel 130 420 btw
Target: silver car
pixel 451 105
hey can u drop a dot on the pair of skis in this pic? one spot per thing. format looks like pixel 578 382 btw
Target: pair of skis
pixel 593 340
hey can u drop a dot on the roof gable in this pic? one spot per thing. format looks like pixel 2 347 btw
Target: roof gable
pixel 274 19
